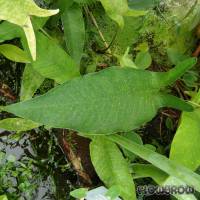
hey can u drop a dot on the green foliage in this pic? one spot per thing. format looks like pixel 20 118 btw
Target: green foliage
pixel 3 197
pixel 31 81
pixel 170 167
pixel 52 61
pixel 117 9
pixel 74 28
pixel 85 38
pixel 14 12
pixel 183 149
pixel 14 53
pixel 142 4
pixel 17 124
pixel 79 193
pixel 121 89
pixel 111 167
pixel 11 170
pixel 143 60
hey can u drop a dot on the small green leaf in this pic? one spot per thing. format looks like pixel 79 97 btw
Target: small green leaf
pixel 143 60
pixel 117 9
pixel 79 193
pixel 111 167
pixel 74 29
pixel 150 146
pixel 14 53
pixel 17 124
pixel 126 61
pixel 169 123
pixel 31 81
pixel 143 47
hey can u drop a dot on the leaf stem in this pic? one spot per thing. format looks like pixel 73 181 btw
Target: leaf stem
pixel 98 29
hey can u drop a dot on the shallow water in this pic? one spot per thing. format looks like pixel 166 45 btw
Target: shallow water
pixel 38 150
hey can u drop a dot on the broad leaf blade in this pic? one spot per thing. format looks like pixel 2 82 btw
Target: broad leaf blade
pixel 111 167
pixel 84 102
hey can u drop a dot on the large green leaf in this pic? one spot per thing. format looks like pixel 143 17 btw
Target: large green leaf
pixel 111 166
pixel 112 100
pixel 19 12
pixel 117 9
pixel 31 81
pixel 185 148
pixel 168 166
pixel 74 29
pixel 52 61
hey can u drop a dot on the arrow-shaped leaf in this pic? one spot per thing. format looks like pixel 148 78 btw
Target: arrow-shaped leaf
pixel 112 100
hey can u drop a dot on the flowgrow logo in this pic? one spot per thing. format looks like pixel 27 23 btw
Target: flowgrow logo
pixel 164 190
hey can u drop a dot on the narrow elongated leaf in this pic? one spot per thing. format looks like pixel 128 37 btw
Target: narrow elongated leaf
pixel 52 61
pixel 84 102
pixel 19 12
pixel 168 166
pixel 31 81
pixel 17 124
pixel 111 167
pixel 14 53
pixel 185 148
pixel 74 29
